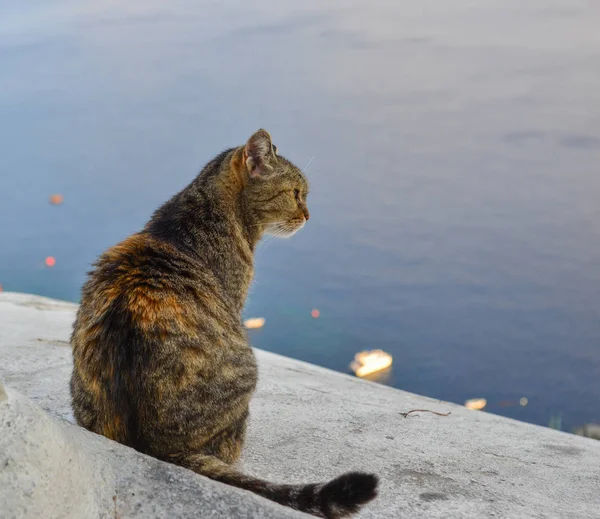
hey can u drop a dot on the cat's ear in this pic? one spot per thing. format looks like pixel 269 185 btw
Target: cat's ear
pixel 258 153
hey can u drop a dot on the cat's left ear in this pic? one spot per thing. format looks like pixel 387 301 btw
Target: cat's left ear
pixel 258 153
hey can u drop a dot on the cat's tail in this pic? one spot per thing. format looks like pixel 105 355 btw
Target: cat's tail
pixel 339 497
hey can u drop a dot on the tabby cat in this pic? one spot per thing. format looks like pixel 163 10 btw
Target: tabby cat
pixel 161 358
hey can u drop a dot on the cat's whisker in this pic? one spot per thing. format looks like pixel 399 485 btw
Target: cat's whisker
pixel 280 225
pixel 267 224
pixel 306 168
pixel 265 241
pixel 278 231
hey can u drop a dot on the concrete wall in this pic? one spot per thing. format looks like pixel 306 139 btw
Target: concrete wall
pixel 308 424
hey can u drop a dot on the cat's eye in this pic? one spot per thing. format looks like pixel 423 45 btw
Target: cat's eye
pixel 297 194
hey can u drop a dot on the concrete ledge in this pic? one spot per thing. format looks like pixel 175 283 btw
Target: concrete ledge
pixel 42 469
pixel 311 424
pixel 52 469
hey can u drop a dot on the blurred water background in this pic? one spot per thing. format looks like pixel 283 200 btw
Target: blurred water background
pixel 453 150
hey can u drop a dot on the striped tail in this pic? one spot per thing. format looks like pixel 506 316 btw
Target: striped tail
pixel 338 498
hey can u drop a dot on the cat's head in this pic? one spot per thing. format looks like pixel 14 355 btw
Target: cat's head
pixel 275 190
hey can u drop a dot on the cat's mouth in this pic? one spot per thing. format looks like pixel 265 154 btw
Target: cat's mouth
pixel 285 229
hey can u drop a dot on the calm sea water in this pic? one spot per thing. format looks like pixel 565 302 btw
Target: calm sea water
pixel 454 152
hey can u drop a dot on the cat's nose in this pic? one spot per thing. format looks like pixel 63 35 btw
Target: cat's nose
pixel 306 213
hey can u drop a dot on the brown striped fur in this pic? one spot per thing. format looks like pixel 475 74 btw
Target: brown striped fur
pixel 161 359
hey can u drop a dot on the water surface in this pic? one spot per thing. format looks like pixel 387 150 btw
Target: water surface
pixel 453 150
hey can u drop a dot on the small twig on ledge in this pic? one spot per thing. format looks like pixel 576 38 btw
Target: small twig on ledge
pixel 423 411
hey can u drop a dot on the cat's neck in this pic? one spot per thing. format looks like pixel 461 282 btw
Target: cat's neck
pixel 208 224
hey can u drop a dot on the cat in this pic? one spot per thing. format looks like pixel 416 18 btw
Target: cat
pixel 161 360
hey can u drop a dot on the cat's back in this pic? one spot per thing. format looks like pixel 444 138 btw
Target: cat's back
pixel 148 284
pixel 147 309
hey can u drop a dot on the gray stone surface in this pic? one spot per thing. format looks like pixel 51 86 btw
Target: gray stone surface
pixel 311 424
pixel 41 468
pixel 52 469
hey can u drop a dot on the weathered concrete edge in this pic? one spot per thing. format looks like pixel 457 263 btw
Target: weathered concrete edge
pixel 62 470
pixel 42 301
